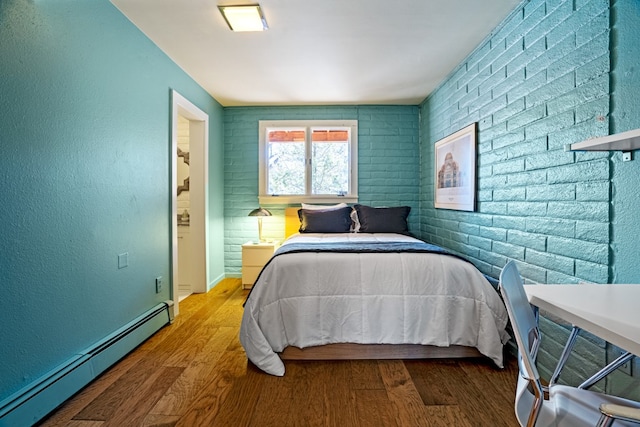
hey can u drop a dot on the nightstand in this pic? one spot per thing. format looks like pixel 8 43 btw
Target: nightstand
pixel 254 257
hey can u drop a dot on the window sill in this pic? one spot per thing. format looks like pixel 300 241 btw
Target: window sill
pixel 290 200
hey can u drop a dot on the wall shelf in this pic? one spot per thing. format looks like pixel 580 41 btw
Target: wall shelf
pixel 625 141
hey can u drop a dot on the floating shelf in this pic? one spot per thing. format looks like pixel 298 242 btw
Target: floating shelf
pixel 625 141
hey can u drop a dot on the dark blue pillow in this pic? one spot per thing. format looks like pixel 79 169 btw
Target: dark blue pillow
pixel 383 220
pixel 329 221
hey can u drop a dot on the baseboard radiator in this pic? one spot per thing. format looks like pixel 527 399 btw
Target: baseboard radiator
pixel 33 402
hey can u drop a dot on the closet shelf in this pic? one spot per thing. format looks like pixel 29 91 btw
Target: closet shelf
pixel 625 141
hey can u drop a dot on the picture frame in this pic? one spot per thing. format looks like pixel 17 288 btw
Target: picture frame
pixel 455 170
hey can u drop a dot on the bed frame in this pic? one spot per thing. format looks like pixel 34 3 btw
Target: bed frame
pixel 348 351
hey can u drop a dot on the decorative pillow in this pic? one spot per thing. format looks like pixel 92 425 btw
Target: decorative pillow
pixel 322 221
pixel 355 222
pixel 383 220
pixel 307 206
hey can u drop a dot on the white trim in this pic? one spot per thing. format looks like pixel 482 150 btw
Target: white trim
pixel 289 200
pixel 265 198
pixel 199 189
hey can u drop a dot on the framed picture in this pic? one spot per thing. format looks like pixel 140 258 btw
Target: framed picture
pixel 455 170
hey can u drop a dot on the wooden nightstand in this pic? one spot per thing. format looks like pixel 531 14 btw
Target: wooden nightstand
pixel 254 257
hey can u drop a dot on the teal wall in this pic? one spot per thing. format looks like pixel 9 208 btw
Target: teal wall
pixel 542 80
pixel 539 82
pixel 388 165
pixel 625 176
pixel 85 168
pixel 625 115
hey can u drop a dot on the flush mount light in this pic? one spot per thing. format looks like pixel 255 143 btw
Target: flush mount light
pixel 244 17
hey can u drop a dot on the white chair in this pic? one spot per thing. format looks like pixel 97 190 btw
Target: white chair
pixel 565 406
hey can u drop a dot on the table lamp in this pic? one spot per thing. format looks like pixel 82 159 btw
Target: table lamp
pixel 260 212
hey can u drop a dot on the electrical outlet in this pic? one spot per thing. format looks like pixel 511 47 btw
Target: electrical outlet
pixel 158 284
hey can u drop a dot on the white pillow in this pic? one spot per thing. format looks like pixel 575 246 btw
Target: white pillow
pixel 355 222
pixel 323 207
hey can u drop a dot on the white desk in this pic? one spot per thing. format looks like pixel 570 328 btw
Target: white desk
pixel 611 312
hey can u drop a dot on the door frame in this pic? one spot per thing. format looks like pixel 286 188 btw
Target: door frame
pixel 198 197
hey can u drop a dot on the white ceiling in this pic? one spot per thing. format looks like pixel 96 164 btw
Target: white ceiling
pixel 320 51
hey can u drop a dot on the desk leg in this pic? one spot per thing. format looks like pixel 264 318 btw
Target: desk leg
pixel 607 370
pixel 566 352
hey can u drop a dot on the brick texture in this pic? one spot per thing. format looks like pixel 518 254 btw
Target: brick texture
pixel 538 82
pixel 388 165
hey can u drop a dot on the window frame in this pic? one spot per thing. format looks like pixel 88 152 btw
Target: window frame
pixel 352 194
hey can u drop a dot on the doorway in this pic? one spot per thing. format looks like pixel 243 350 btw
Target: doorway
pixel 188 214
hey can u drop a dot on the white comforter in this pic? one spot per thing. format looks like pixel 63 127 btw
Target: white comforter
pixel 310 299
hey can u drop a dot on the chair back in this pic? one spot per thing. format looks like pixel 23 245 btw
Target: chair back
pixel 527 336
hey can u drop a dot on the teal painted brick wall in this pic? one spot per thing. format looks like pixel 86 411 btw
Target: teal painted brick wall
pixel 625 115
pixel 540 81
pixel 388 165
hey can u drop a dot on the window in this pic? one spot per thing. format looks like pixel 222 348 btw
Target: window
pixel 311 161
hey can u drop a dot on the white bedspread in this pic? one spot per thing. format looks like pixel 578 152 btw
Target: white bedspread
pixel 310 299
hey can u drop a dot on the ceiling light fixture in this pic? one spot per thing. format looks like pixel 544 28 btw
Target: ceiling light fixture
pixel 244 17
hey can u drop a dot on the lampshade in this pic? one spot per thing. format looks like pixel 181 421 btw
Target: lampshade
pixel 260 212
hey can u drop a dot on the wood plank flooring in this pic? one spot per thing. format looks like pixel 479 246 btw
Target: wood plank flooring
pixel 195 373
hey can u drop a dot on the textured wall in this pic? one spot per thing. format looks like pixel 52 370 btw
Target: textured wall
pixel 388 165
pixel 625 176
pixel 540 81
pixel 84 130
pixel 625 115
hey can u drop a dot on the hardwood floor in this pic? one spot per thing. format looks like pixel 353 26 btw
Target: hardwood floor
pixel 195 373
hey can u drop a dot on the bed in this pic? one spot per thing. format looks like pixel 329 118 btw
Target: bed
pixel 332 293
